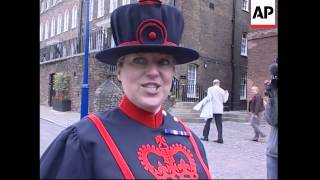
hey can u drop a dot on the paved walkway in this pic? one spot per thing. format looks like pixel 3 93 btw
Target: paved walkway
pixel 63 119
pixel 237 158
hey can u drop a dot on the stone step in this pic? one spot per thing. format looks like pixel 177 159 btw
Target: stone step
pixel 184 110
pixel 201 120
pixel 196 113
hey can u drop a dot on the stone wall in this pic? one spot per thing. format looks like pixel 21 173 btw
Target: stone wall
pixel 107 96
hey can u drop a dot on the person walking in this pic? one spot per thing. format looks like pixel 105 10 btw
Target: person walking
pixel 256 108
pixel 216 96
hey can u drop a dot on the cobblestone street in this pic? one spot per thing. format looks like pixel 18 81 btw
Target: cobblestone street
pixel 238 157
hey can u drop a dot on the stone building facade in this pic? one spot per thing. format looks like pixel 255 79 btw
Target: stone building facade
pixel 214 28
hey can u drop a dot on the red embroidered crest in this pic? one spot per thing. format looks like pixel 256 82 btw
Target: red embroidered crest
pixel 170 169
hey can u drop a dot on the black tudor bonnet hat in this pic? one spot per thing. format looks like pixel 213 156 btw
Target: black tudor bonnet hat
pixel 147 26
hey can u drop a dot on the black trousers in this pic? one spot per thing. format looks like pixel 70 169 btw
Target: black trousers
pixel 218 120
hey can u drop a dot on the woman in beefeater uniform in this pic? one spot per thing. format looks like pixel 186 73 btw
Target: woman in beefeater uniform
pixel 138 139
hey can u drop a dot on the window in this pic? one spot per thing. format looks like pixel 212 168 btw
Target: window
pixel 53 27
pixel 113 44
pixel 192 74
pixel 42 7
pixel 113 5
pixel 41 31
pixel 244 44
pixel 64 51
pixel 74 17
pixel 59 23
pixel 66 21
pixel 46 30
pixel 243 86
pixel 72 49
pixel 48 4
pixel 100 38
pixel 124 2
pixel 245 5
pixel 91 10
pixel 100 8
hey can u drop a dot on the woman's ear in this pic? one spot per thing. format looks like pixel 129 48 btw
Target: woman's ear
pixel 119 66
pixel 118 74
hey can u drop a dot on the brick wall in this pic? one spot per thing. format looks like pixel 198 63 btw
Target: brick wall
pixel 212 40
pixel 72 67
pixel 262 51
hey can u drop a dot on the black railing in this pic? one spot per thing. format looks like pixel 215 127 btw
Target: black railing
pixel 175 88
pixel 98 41
pixel 192 93
pixel 187 93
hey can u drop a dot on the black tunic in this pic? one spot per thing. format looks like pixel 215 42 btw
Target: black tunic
pixel 80 152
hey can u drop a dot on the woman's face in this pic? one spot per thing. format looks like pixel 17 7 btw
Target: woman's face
pixel 146 78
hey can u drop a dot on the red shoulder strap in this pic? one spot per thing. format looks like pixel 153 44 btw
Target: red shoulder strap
pixel 112 147
pixel 196 149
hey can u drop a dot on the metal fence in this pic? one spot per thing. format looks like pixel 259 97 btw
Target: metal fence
pixel 98 40
pixel 187 93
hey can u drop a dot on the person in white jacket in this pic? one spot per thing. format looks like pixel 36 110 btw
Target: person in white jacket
pixel 212 106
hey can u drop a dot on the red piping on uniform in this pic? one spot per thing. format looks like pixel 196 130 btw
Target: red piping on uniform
pixel 112 147
pixel 196 149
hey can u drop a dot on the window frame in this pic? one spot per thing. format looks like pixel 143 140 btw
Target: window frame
pixel 74 17
pixel 91 4
pixel 244 44
pixel 245 5
pixel 41 31
pixel 100 10
pixel 59 24
pixel 48 4
pixel 125 2
pixel 53 27
pixel 243 85
pixel 66 21
pixel 191 80
pixel 113 5
pixel 42 7
pixel 46 30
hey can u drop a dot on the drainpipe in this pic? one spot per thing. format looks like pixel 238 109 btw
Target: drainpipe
pixel 80 28
pixel 232 57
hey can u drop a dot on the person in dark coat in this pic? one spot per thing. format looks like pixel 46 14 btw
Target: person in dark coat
pixel 137 139
pixel 271 116
pixel 256 108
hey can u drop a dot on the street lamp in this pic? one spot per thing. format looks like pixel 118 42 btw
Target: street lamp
pixel 85 85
